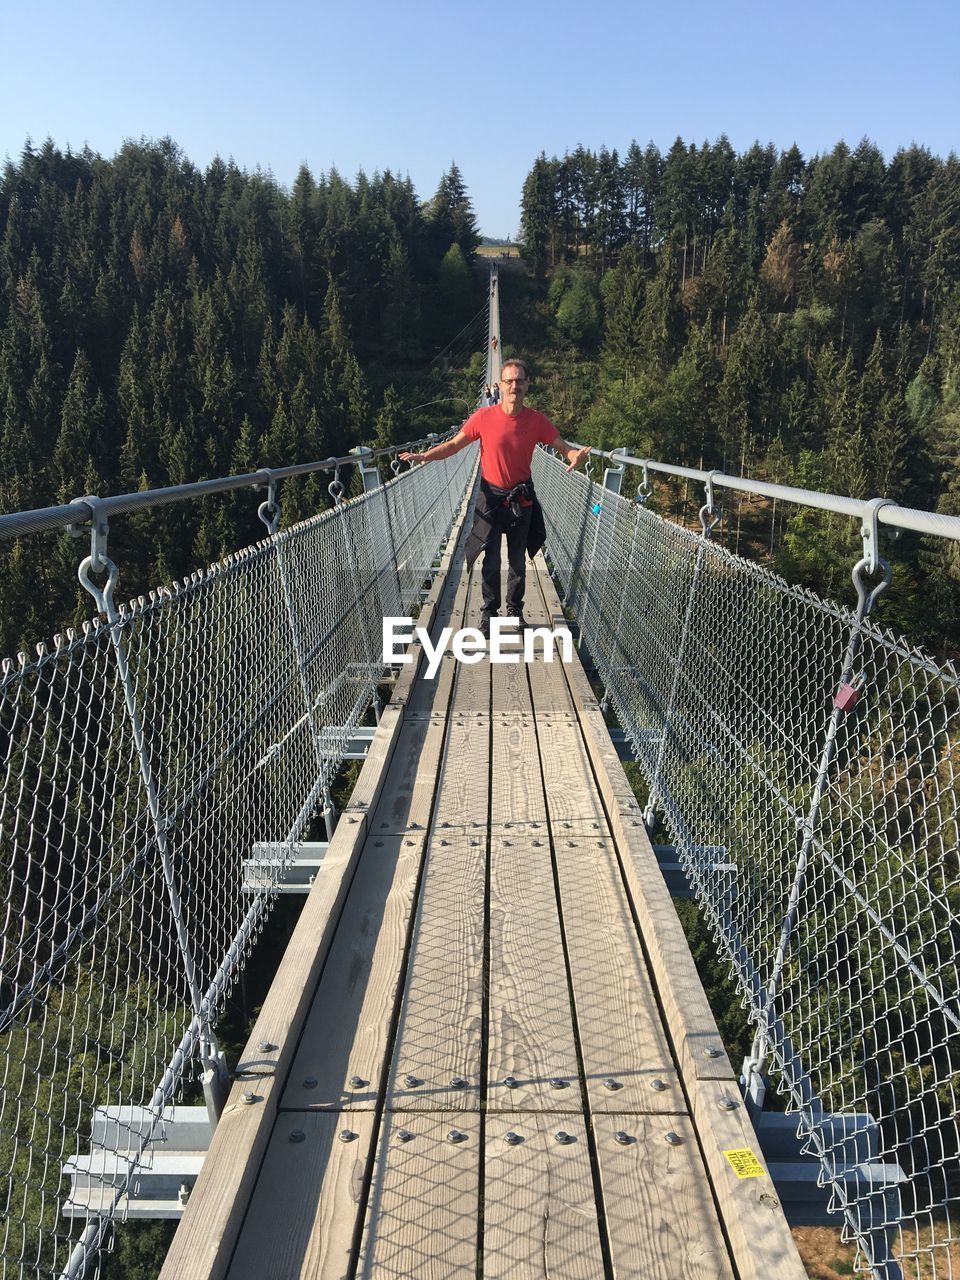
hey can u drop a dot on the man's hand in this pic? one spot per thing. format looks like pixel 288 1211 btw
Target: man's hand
pixel 580 456
pixel 406 456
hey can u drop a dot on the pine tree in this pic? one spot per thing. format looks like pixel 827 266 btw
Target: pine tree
pixel 579 313
pixel 663 325
pixel 81 431
pixel 391 422
pixel 624 290
pixel 538 215
pixel 456 287
pixel 450 218
pixel 780 272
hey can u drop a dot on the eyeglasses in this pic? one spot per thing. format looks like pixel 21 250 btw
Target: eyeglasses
pixel 510 382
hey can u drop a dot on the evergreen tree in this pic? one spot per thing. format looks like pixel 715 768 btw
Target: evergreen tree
pixel 663 326
pixel 538 215
pixel 579 312
pixel 450 218
pixel 81 437
pixel 391 423
pixel 624 292
pixel 455 284
pixel 780 272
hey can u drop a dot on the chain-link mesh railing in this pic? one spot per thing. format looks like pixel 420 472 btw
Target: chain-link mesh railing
pixel 160 767
pixel 806 764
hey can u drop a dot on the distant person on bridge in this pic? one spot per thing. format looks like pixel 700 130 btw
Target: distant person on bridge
pixel 507 505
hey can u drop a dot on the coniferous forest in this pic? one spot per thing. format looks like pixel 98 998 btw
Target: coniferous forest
pixel 160 325
pixel 791 318
pixel 775 316
pixel 786 317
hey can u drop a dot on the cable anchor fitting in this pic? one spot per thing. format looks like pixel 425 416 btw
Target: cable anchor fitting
pixel 335 487
pixel 872 562
pixel 98 561
pixel 269 511
pixel 709 516
pixel 644 490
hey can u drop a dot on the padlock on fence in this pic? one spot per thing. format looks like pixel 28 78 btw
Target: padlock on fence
pixel 848 695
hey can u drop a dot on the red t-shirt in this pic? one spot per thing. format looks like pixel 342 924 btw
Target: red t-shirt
pixel 507 444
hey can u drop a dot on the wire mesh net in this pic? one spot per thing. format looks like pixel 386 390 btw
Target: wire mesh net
pixel 160 769
pixel 821 841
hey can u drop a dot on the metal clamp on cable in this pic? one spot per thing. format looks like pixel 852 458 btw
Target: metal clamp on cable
pixel 269 511
pixel 870 532
pixel 644 490
pixel 98 561
pixel 335 487
pixel 709 516
pixel 395 464
pixel 872 562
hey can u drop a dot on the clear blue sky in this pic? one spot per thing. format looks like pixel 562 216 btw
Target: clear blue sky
pixel 412 85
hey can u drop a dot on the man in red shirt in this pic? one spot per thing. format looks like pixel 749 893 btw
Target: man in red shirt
pixel 507 506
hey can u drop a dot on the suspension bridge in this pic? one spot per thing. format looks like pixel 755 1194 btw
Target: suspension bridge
pixel 486 1050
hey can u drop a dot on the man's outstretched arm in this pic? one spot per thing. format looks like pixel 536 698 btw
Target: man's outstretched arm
pixel 438 451
pixel 573 455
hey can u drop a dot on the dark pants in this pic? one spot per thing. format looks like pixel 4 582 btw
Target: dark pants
pixel 516 535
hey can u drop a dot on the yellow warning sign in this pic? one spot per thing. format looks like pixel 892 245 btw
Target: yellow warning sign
pixel 745 1163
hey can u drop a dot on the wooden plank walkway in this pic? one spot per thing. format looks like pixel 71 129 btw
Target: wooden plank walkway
pixel 504 1065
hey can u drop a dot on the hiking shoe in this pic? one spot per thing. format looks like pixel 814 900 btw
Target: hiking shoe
pixel 484 627
pixel 522 623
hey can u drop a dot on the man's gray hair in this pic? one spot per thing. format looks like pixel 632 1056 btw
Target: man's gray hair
pixel 516 364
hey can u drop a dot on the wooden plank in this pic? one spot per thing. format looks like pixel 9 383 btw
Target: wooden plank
pixel 568 781
pixel 539 1207
pixel 303 1217
pixel 423 1209
pixel 626 1054
pixel 511 694
pixel 534 609
pixel 463 787
pixel 471 690
pixel 660 1215
pixel 690 1021
pixel 471 694
pixel 346 1034
pixel 407 796
pixel 431 697
pixel 369 785
pixel 531 1040
pixel 517 789
pixel 474 597
pixel 548 688
pixel 548 685
pixel 761 1242
pixel 439 1033
pixel 510 689
pixel 207 1234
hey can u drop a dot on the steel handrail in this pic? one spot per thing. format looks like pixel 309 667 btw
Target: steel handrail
pixel 80 511
pixel 929 522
